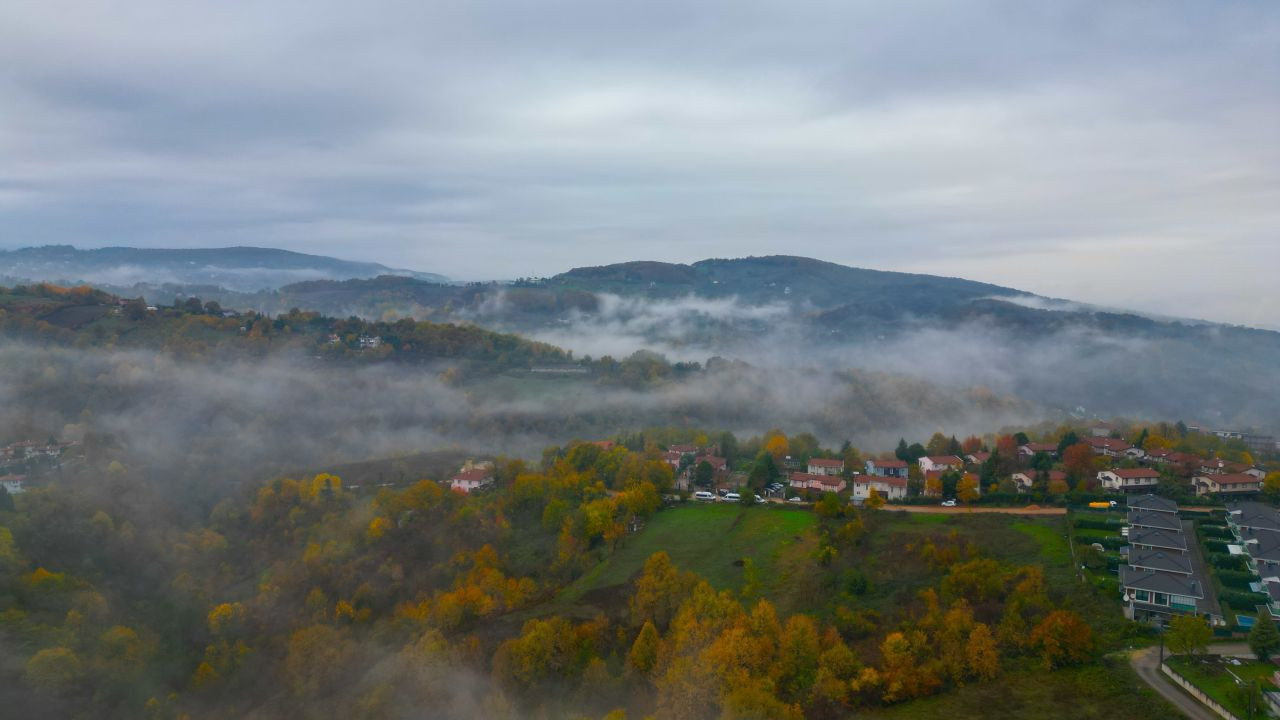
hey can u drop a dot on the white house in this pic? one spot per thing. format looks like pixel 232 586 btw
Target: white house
pixel 472 478
pixel 887 468
pixel 890 488
pixel 1129 479
pixel 1233 484
pixel 12 483
pixel 940 463
pixel 824 466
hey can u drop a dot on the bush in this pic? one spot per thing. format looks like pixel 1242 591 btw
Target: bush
pixel 1228 562
pixel 1215 546
pixel 1215 532
pixel 1242 600
pixel 1237 580
pixel 1099 524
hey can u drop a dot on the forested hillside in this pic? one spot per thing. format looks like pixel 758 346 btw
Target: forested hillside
pixel 304 598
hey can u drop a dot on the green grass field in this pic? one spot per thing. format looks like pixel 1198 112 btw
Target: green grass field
pixel 1100 692
pixel 709 539
pixel 1053 543
pixel 1216 679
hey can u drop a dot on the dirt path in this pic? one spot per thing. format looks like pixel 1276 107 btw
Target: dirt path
pixel 1029 510
pixel 1146 663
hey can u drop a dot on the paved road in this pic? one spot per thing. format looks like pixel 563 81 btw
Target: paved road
pixel 979 509
pixel 1145 662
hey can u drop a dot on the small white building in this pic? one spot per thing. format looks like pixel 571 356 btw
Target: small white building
pixel 940 463
pixel 890 488
pixel 824 466
pixel 1129 479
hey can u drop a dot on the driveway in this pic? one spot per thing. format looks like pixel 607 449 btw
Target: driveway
pixel 1146 663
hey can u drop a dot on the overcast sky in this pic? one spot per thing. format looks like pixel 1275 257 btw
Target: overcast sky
pixel 1124 153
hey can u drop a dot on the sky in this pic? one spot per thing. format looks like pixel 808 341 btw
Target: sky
pixel 1125 154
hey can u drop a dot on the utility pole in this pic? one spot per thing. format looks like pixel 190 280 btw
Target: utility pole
pixel 1160 629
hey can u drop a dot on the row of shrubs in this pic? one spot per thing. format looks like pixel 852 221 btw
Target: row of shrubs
pixel 1228 562
pixel 1110 542
pixel 1215 532
pixel 1235 579
pixel 1215 546
pixel 1242 600
pixel 1088 523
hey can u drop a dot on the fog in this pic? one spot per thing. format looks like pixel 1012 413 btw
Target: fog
pixel 1069 363
pixel 229 420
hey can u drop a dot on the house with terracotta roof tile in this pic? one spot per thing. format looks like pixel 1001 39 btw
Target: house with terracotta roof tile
pixel 1129 479
pixel 825 466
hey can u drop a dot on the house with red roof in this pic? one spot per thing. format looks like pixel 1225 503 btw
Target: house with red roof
pixel 1230 484
pixel 1113 447
pixel 825 466
pixel 817 481
pixel 1028 451
pixel 890 488
pixel 1129 479
pixel 887 468
pixel 472 478
pixel 940 462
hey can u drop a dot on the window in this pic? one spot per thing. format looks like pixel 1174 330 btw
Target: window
pixel 1142 596
pixel 1182 602
pixel 1161 599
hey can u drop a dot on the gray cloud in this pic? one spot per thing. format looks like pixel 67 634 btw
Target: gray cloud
pixel 1119 154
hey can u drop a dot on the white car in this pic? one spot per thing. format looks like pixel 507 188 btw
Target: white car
pixel 948 503
pixel 703 495
pixel 759 499
pixel 730 497
pixel 795 500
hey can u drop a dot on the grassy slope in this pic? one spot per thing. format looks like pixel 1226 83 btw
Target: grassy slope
pixel 708 539
pixel 1212 677
pixel 1103 691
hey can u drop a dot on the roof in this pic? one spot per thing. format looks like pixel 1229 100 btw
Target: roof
pixel 1041 447
pixel 800 478
pixel 1235 479
pixel 1152 519
pixel 826 462
pixel 474 475
pixel 1161 582
pixel 944 459
pixel 685 448
pixel 1155 537
pixel 980 456
pixel 1160 560
pixel 1134 473
pixel 889 463
pixel 1154 503
pixel 831 480
pixel 1112 444
pixel 712 460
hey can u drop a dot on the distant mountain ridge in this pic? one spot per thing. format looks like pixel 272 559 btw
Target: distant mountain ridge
pixel 240 269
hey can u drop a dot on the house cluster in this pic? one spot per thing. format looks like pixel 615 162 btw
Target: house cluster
pixel 473 476
pixel 30 450
pixel 822 475
pixel 13 484
pixel 1256 528
pixel 1162 573
pixel 369 342
pixel 685 458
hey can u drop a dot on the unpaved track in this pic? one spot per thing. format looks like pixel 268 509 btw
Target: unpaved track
pixel 979 509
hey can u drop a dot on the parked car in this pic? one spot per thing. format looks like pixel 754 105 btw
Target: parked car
pixel 703 495
pixel 794 500
pixel 732 496
pixel 948 503
pixel 759 499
